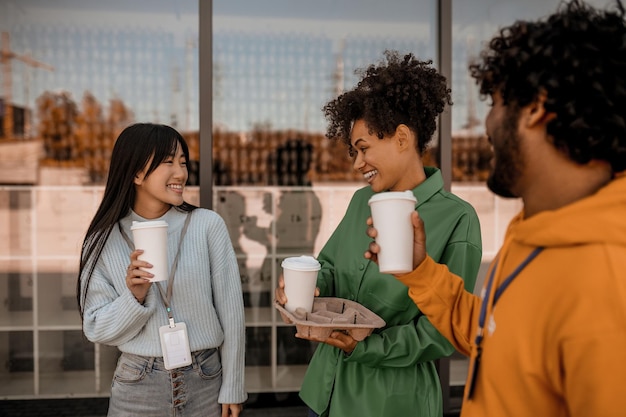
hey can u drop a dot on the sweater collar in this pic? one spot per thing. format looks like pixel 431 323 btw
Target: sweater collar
pixel 173 217
pixel 137 218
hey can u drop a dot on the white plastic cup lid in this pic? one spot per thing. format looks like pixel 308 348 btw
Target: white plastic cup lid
pixel 396 195
pixel 151 223
pixel 301 263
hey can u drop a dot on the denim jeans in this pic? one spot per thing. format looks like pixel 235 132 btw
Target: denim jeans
pixel 143 387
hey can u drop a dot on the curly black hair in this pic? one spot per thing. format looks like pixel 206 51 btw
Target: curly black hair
pixel 404 90
pixel 577 58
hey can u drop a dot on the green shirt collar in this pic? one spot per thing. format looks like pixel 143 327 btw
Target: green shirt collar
pixel 431 186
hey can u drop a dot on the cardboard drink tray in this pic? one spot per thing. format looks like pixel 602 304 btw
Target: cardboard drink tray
pixel 329 314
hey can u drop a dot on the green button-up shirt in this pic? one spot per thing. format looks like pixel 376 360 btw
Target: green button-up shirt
pixel 392 371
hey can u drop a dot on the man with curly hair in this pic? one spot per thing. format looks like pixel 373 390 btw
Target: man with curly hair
pixel 386 122
pixel 547 335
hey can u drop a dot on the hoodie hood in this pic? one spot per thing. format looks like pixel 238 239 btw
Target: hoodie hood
pixel 572 224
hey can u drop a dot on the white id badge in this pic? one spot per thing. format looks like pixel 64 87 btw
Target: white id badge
pixel 175 346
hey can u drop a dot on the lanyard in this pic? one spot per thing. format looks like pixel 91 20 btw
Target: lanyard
pixel 483 310
pixel 170 282
pixel 500 290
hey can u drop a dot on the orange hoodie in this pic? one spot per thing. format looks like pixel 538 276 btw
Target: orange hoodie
pixel 555 343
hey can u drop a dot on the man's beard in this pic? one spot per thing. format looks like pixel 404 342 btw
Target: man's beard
pixel 507 157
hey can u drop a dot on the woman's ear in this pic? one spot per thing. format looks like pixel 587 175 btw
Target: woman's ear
pixel 403 136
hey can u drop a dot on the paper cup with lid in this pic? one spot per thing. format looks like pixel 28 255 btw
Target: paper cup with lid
pixel 300 275
pixel 151 237
pixel 391 213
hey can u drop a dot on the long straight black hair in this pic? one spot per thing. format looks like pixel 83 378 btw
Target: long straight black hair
pixel 132 152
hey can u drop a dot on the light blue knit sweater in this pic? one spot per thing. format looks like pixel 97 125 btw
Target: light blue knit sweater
pixel 206 296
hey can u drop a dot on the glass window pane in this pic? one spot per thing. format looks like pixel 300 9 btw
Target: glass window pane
pixel 275 64
pixel 291 350
pixel 474 23
pixel 16 351
pixel 16 293
pixel 78 73
pixel 81 71
pixel 56 285
pixel 16 219
pixel 280 184
pixel 258 346
pixel 66 362
pixel 63 215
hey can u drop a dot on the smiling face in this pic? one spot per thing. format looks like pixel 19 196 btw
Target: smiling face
pixel 163 188
pixel 388 164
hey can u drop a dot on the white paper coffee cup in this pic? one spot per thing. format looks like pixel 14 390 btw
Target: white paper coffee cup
pixel 300 275
pixel 391 212
pixel 151 237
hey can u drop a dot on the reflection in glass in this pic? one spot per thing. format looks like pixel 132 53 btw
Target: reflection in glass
pixel 232 207
pixel 75 74
pixel 245 210
pixel 258 346
pixel 20 347
pixel 78 353
pixel 273 69
pixel 66 362
pixel 474 23
pixel 103 65
pixel 16 293
pixel 108 356
pixel 291 350
pixel 299 214
pixel 56 287
pixel 16 349
pixel 16 219
pixel 79 73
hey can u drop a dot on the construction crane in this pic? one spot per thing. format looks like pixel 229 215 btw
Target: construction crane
pixel 6 56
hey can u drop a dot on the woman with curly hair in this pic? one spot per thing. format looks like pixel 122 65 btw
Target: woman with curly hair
pixel 386 121
pixel 547 337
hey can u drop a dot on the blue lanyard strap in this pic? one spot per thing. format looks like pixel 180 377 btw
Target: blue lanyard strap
pixel 500 290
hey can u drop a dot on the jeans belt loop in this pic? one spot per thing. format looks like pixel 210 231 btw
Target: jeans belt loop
pixel 150 364
pixel 195 364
